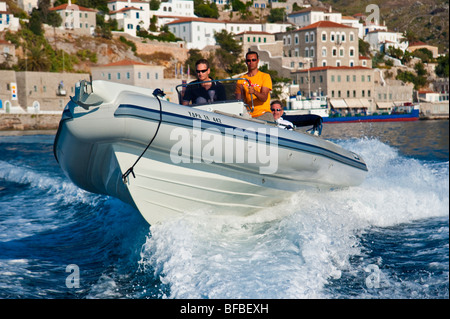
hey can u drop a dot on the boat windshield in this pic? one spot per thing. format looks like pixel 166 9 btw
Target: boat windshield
pixel 211 92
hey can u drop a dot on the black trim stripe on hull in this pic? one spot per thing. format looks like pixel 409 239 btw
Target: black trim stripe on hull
pixel 170 118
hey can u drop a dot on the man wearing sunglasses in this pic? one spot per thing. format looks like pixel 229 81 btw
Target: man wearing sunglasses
pixel 277 110
pixel 258 86
pixel 203 92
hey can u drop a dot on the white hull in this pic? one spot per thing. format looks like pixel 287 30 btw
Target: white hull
pixel 96 146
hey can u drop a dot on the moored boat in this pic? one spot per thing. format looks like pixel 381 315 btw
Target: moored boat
pixel 167 159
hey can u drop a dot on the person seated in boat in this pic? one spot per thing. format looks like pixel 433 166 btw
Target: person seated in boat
pixel 277 110
pixel 256 88
pixel 206 92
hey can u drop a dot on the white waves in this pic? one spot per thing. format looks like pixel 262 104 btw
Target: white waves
pixel 294 249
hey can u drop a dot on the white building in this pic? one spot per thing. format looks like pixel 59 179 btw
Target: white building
pixel 381 39
pixel 27 5
pixel 77 18
pixel 137 74
pixel 7 19
pixel 312 15
pixel 175 8
pixel 199 32
pixel 131 15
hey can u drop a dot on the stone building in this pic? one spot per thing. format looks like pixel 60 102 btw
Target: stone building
pixel 77 18
pixel 138 74
pixel 323 43
pixel 46 91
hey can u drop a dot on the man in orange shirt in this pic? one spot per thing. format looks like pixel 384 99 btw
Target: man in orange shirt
pixel 258 87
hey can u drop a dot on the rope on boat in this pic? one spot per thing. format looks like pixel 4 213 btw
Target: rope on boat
pixel 156 93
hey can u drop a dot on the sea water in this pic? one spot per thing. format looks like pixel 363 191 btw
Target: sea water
pixel 387 238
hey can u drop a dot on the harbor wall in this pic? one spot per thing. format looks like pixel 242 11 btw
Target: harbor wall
pixel 26 122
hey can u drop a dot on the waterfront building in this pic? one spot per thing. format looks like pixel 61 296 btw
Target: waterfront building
pixel 138 74
pixel 323 43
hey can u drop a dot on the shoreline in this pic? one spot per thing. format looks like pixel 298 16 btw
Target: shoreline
pixel 27 132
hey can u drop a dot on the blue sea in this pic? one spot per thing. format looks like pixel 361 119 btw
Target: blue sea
pixel 385 239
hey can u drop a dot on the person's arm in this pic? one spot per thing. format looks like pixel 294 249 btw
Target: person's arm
pixel 263 95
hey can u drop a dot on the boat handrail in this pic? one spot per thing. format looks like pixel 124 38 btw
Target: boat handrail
pixel 179 88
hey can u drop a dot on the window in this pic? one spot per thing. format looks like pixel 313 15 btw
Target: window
pixel 324 52
pixel 368 78
pixel 352 52
pixel 128 75
pixel 334 52
pixel 348 78
pixel 324 36
pixel 307 38
pixel 362 78
pixel 354 78
pixel 341 52
pixel 311 37
pixel 321 78
pixel 368 93
pixel 306 52
pixel 332 78
pixel 339 78
pixel 332 37
pixel 348 93
pixel 311 51
pixel 354 93
pixel 109 76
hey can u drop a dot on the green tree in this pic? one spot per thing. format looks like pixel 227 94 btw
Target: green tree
pixel 54 20
pixel 276 15
pixel 206 10
pixel 424 54
pixel 364 48
pixel 228 53
pixel 442 66
pixel 35 23
pixel 154 5
pixel 36 60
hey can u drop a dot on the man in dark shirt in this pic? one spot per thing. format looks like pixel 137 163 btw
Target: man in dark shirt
pixel 206 92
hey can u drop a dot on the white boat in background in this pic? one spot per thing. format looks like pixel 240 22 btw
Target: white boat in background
pixel 299 105
pixel 167 159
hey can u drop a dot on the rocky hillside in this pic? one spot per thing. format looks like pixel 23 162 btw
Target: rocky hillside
pixel 426 19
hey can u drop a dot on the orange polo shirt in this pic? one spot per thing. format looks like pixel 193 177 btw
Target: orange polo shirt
pixel 257 81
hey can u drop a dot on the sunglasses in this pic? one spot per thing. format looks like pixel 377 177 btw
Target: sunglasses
pixel 273 110
pixel 251 60
pixel 201 71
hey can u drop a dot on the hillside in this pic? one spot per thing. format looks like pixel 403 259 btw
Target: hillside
pixel 426 19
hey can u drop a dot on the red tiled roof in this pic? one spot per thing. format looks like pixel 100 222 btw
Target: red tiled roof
pixel 73 6
pixel 324 24
pixel 417 43
pixel 125 9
